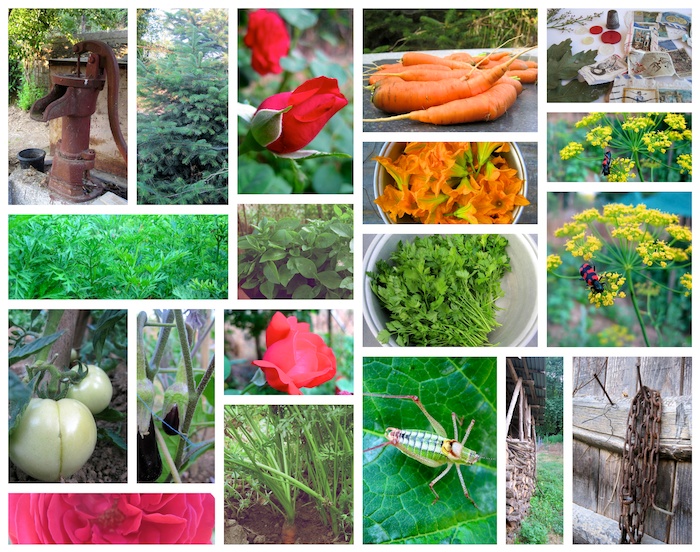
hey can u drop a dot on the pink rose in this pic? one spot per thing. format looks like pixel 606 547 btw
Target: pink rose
pixel 268 39
pixel 295 357
pixel 310 107
pixel 120 518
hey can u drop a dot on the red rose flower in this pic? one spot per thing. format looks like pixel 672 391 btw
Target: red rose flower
pixel 123 518
pixel 309 108
pixel 268 39
pixel 295 357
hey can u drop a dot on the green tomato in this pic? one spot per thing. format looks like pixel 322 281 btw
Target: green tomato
pixel 54 439
pixel 94 391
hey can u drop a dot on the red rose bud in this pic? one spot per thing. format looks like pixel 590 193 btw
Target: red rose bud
pixel 295 356
pixel 286 122
pixel 268 39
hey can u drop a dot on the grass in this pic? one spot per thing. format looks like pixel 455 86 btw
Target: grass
pixel 545 523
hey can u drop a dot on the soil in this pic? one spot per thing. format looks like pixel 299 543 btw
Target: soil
pixel 23 133
pixel 108 463
pixel 262 524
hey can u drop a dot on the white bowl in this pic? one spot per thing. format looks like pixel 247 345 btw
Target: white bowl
pixel 518 318
pixel 393 150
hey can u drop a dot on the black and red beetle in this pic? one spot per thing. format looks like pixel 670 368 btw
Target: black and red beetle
pixel 606 163
pixel 591 278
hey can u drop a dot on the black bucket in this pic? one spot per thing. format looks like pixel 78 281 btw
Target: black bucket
pixel 32 157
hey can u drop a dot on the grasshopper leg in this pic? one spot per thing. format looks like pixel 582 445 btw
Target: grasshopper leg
pixel 438 478
pixel 464 488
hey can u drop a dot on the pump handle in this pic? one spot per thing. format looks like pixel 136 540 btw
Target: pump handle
pixel 108 64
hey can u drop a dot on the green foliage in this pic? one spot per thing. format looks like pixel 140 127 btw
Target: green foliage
pixel 29 30
pixel 441 290
pixel 445 29
pixel 287 450
pixel 291 259
pixel 397 501
pixel 183 114
pixel 546 514
pixel 554 405
pixel 117 257
pixel 321 46
pixel 29 92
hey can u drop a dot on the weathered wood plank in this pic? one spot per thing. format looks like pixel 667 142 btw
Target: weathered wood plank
pixel 585 475
pixel 591 528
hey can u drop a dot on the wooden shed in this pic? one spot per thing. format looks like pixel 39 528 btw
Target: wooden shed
pixel 526 393
pixel 604 389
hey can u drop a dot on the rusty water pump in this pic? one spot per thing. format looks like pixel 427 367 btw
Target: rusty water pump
pixel 74 98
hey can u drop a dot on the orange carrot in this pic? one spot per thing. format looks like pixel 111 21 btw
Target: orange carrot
pixel 399 69
pixel 527 76
pixel 429 74
pixel 415 58
pixel 395 95
pixel 488 106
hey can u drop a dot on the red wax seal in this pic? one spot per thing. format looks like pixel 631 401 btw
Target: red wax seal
pixel 611 37
pixel 597 29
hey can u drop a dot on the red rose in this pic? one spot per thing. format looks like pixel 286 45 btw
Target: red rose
pixel 122 518
pixel 295 357
pixel 310 107
pixel 268 39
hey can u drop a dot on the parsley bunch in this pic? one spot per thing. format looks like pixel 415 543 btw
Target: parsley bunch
pixel 441 290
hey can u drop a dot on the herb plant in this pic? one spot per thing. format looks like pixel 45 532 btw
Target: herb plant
pixel 441 291
pixel 117 256
pixel 643 255
pixel 288 259
pixel 648 147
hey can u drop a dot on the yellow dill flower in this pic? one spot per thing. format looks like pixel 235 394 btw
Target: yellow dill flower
pixel 675 120
pixel 636 124
pixel 654 217
pixel 584 246
pixel 631 231
pixel 614 211
pixel 600 136
pixel 648 289
pixel 589 215
pixel 685 162
pixel 615 336
pixel 687 282
pixel 658 139
pixel 589 119
pixel 612 282
pixel 553 262
pixel 570 229
pixel 678 232
pixel 655 252
pixel 572 149
pixel 621 170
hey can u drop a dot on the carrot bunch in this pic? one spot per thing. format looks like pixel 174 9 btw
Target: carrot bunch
pixel 452 183
pixel 455 89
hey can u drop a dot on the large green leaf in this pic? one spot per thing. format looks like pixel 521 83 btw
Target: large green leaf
pixel 397 501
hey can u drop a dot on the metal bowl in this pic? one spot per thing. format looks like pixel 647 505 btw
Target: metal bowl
pixel 393 150
pixel 518 317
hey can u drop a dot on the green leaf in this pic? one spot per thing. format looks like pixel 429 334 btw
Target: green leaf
pixel 329 278
pixel 19 395
pixel 270 272
pixel 325 239
pixel 397 505
pixel 342 229
pixel 113 436
pixel 110 414
pixel 273 255
pixel 300 18
pixel 103 328
pixel 35 346
pixel 268 289
pixel 304 266
pixel 304 292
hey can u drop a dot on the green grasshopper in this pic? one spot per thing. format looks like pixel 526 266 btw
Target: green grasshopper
pixel 431 449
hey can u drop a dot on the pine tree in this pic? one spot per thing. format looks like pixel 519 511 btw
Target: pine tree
pixel 183 112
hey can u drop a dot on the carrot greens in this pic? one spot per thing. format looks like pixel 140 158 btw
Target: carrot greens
pixel 441 290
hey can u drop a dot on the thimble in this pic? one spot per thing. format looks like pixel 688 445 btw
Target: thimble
pixel 613 20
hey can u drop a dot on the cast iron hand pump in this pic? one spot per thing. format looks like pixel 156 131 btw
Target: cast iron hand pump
pixel 74 98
